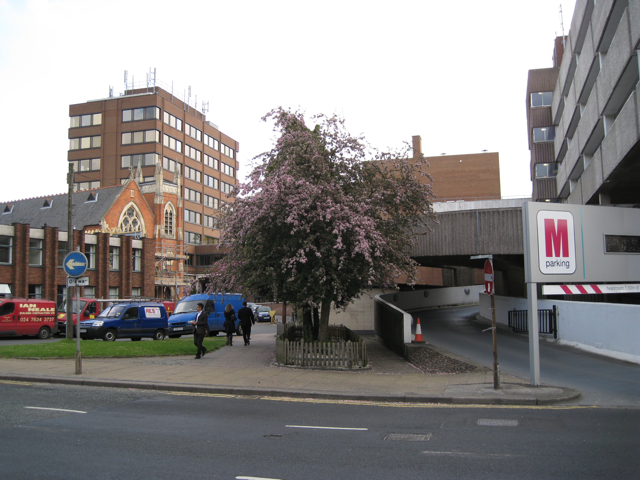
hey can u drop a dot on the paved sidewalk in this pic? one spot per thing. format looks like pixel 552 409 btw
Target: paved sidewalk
pixel 241 370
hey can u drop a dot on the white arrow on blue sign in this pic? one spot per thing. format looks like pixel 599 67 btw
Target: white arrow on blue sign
pixel 75 264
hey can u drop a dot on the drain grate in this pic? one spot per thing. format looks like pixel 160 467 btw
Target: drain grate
pixel 493 422
pixel 408 437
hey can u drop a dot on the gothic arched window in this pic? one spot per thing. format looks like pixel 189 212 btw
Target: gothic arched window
pixel 169 219
pixel 130 221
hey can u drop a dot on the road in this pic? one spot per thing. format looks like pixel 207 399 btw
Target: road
pixel 59 431
pixel 601 380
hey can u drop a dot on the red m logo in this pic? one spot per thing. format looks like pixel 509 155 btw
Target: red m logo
pixel 556 239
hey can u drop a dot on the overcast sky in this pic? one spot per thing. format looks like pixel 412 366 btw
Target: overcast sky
pixel 453 72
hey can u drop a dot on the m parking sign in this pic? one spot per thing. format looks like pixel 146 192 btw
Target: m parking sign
pixel 556 243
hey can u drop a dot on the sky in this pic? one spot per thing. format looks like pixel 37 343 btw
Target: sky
pixel 454 73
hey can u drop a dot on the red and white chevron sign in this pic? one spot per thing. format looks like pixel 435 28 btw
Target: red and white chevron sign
pixel 589 289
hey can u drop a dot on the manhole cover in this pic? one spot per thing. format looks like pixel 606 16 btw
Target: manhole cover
pixel 408 437
pixel 493 422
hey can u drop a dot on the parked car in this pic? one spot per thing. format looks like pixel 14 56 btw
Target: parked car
pixel 262 314
pixel 21 316
pixel 214 305
pixel 127 320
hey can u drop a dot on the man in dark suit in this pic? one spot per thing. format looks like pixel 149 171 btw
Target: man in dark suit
pixel 201 328
pixel 246 320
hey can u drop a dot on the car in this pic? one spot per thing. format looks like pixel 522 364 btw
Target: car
pixel 22 316
pixel 262 314
pixel 214 305
pixel 127 320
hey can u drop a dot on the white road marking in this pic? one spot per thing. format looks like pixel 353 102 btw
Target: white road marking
pixel 56 409
pixel 325 428
pixel 497 422
pixel 472 454
pixel 255 478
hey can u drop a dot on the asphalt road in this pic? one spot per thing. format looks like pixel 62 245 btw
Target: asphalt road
pixel 601 380
pixel 58 431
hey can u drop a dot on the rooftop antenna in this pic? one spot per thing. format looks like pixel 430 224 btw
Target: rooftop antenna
pixel 562 27
pixel 126 73
pixel 110 91
pixel 205 107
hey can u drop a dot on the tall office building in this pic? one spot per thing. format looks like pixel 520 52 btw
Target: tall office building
pixel 582 114
pixel 184 164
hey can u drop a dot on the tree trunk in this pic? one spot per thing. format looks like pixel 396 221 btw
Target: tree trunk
pixel 316 323
pixel 307 324
pixel 323 333
pixel 284 313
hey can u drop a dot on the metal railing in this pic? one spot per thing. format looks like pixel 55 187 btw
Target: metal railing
pixel 547 321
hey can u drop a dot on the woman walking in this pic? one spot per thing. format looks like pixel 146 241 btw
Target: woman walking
pixel 229 323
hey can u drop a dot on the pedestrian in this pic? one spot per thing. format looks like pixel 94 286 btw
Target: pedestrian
pixel 246 320
pixel 229 323
pixel 200 324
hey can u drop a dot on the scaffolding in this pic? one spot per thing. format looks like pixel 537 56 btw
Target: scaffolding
pixel 170 275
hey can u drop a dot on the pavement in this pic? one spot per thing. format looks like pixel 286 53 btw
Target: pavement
pixel 251 371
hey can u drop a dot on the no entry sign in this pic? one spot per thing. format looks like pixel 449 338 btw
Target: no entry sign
pixel 488 277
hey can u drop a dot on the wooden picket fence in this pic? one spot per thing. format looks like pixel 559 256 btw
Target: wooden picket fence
pixel 345 350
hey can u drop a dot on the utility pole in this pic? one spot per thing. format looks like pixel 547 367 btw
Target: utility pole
pixel 69 302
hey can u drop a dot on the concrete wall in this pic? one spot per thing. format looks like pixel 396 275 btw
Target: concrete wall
pixel 433 298
pixel 607 329
pixel 359 314
pixel 392 325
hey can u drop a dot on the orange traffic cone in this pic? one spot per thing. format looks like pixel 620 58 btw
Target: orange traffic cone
pixel 418 338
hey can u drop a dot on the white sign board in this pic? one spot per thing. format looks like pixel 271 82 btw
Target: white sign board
pixel 580 243
pixel 152 312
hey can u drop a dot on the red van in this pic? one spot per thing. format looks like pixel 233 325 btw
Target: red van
pixel 21 316
pixel 89 308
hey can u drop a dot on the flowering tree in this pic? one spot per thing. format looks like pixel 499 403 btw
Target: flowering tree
pixel 321 218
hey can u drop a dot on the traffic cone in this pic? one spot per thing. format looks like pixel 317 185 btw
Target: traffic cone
pixel 418 338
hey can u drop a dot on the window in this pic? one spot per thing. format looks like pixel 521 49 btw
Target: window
pixel 228 170
pixel 228 151
pixel 226 187
pixel 35 291
pixel 35 252
pixel 211 142
pixel 192 238
pixel 62 252
pixel 144 113
pixel 114 292
pixel 210 240
pixel 193 153
pixel 192 195
pixel 172 121
pixel 130 222
pixel 6 247
pixel 136 291
pixel 193 132
pixel 90 253
pixel 192 217
pixel 212 162
pixel 142 159
pixel 212 182
pixel 541 99
pixel 136 259
pixel 82 143
pixel 211 202
pixel 86 120
pixel 89 165
pixel 143 136
pixel 210 222
pixel 544 134
pixel 169 218
pixel 172 143
pixel 90 292
pixel 546 170
pixel 114 258
pixel 193 174
pixel 85 186
pixel 169 164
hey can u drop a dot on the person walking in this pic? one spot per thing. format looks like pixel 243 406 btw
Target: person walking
pixel 246 320
pixel 200 329
pixel 229 323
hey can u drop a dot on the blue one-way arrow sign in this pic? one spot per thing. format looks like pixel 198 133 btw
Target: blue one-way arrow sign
pixel 75 264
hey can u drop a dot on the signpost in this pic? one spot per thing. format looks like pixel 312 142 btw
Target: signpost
pixel 489 286
pixel 75 264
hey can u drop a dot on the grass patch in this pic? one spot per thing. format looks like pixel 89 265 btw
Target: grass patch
pixel 97 348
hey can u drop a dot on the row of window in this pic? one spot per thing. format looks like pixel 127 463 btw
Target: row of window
pixel 546 170
pixel 192 217
pixel 192 195
pixel 88 165
pixel 86 120
pixel 541 99
pixel 36 251
pixel 544 134
pixel 193 132
pixel 172 143
pixel 143 136
pixel 83 143
pixel 79 186
pixel 172 121
pixel 191 238
pixel 139 159
pixel 192 153
pixel 211 142
pixel 35 291
pixel 144 113
pixel 228 151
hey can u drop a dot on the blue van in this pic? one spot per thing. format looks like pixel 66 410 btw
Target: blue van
pixel 214 305
pixel 127 320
